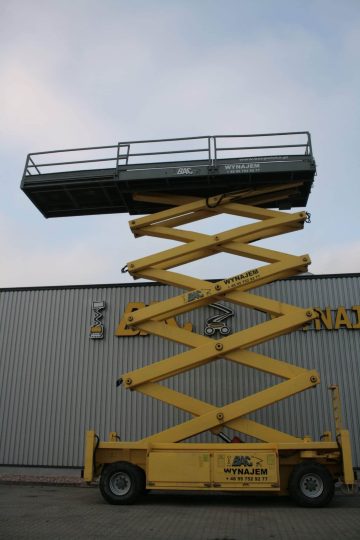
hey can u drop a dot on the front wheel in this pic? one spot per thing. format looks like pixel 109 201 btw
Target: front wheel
pixel 225 331
pixel 122 482
pixel 311 485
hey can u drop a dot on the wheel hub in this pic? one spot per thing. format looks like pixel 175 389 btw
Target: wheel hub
pixel 120 483
pixel 311 485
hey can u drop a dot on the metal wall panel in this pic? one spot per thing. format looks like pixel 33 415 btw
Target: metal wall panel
pixel 55 382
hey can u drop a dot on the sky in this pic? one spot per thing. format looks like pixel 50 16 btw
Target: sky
pixel 80 73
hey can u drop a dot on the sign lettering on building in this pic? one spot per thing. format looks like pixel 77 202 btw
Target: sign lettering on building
pixel 123 330
pixel 336 318
pixel 329 319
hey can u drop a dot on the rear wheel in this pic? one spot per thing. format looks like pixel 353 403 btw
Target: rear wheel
pixel 122 482
pixel 209 330
pixel 311 485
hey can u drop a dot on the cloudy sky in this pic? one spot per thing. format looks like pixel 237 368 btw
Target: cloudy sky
pixel 81 73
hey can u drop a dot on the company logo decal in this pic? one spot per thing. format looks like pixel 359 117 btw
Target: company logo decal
pixel 97 327
pixel 246 465
pixel 217 322
pixel 185 170
pixel 194 295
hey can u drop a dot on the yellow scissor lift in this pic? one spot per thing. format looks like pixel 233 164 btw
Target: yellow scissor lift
pixel 278 462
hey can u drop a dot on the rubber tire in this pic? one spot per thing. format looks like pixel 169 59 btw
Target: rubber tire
pixel 311 468
pixel 137 482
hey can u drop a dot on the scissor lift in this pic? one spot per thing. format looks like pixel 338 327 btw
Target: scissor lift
pixel 178 193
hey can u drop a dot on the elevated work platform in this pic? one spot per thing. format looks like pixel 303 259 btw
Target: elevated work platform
pixel 228 176
pixel 101 180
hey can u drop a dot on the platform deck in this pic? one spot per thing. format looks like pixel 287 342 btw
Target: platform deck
pixel 82 187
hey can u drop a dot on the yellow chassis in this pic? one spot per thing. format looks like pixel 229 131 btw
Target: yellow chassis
pixel 216 466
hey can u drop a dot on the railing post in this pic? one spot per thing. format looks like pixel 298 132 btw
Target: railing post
pixel 26 170
pixel 309 142
pixel 118 156
pixel 215 152
pixel 209 151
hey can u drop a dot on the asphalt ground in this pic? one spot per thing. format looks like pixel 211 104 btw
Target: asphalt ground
pixel 64 512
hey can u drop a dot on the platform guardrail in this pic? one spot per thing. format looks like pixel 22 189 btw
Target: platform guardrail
pixel 135 154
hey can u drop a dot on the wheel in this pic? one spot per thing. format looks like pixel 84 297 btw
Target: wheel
pixel 122 482
pixel 209 330
pixel 225 330
pixel 311 485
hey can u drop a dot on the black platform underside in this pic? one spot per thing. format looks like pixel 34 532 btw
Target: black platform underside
pixel 105 191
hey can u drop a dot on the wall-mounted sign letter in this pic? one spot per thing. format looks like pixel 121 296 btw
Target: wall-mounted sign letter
pixel 97 327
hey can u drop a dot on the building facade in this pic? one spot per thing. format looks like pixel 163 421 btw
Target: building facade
pixel 62 349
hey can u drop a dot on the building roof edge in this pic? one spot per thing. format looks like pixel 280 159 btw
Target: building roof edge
pixel 156 284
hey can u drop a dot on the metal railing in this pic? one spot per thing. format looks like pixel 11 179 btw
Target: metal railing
pixel 137 154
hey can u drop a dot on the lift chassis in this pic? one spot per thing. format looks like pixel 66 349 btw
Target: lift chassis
pixel 278 462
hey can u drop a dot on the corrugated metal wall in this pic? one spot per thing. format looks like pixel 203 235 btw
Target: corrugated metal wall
pixel 55 382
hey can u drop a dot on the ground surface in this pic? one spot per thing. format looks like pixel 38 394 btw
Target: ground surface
pixel 64 512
